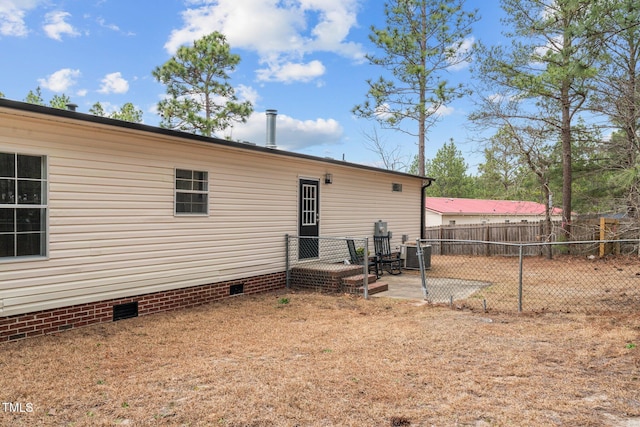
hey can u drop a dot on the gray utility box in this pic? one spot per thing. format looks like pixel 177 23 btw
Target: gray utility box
pixel 411 262
pixel 380 229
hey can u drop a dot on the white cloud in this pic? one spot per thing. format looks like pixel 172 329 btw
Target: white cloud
pixel 61 80
pixel 383 112
pixel 251 24
pixel 108 107
pixel 457 60
pixel 549 10
pixel 247 93
pixel 113 27
pixel 281 33
pixel 496 98
pixel 103 23
pixel 336 18
pixel 291 72
pixel 444 111
pixel 12 15
pixel 55 25
pixel 553 45
pixel 114 83
pixel 291 134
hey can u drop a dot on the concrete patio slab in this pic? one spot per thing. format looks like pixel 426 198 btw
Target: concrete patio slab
pixel 440 290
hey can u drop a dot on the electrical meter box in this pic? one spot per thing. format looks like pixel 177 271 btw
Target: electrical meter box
pixel 380 228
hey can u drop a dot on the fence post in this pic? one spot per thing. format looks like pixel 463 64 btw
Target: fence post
pixel 365 267
pixel 521 247
pixel 286 262
pixel 423 275
pixel 487 235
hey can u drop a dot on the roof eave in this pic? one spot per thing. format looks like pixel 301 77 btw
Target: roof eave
pixel 90 118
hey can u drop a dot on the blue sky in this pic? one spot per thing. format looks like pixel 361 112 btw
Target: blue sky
pixel 304 58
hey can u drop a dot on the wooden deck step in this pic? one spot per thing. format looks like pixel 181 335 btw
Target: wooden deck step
pixel 374 288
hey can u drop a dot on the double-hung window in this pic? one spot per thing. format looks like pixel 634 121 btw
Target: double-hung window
pixel 23 205
pixel 192 192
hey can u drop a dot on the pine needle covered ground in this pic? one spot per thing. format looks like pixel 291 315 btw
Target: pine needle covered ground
pixel 302 359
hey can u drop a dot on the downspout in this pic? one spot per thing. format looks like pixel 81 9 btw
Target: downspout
pixel 423 199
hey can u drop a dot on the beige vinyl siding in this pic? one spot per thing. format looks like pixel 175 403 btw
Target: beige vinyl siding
pixel 357 199
pixel 112 228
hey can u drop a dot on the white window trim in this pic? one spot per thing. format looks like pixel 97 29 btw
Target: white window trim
pixel 45 237
pixel 176 191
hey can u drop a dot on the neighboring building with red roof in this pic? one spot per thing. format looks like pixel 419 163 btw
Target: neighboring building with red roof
pixel 456 211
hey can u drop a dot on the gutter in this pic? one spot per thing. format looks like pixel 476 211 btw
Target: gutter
pixel 423 202
pixel 59 114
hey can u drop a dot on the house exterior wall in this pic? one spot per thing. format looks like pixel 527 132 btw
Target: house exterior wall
pixel 435 219
pixel 432 219
pixel 112 232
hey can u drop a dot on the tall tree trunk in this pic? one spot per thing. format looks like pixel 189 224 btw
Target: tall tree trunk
pixel 423 91
pixel 566 163
pixel 547 219
pixel 632 132
pixel 565 131
pixel 421 132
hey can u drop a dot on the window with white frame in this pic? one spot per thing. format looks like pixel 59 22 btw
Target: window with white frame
pixel 192 192
pixel 23 205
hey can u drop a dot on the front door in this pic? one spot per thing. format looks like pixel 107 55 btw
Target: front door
pixel 308 218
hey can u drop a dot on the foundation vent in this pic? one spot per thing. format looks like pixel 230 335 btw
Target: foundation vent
pixel 236 289
pixel 125 311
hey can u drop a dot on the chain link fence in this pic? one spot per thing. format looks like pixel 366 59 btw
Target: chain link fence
pixel 329 264
pixel 585 276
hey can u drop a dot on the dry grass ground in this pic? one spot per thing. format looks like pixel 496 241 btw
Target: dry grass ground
pixel 563 284
pixel 301 359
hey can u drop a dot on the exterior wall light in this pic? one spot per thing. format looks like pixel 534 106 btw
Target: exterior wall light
pixel 328 178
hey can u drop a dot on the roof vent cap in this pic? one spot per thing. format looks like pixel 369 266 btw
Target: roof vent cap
pixel 271 128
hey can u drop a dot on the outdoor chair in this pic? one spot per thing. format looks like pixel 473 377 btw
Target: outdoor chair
pixel 387 260
pixel 359 259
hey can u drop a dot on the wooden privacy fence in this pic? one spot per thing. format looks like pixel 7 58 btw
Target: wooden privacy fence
pixel 479 237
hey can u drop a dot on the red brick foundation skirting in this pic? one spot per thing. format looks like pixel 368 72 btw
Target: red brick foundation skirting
pixel 60 319
pixel 322 277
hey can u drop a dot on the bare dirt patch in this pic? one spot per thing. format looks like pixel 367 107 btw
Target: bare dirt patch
pixel 301 359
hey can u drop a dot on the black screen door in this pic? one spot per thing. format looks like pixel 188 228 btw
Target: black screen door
pixel 308 218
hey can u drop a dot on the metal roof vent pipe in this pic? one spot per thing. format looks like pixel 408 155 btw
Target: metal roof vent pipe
pixel 271 128
pixel 71 106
